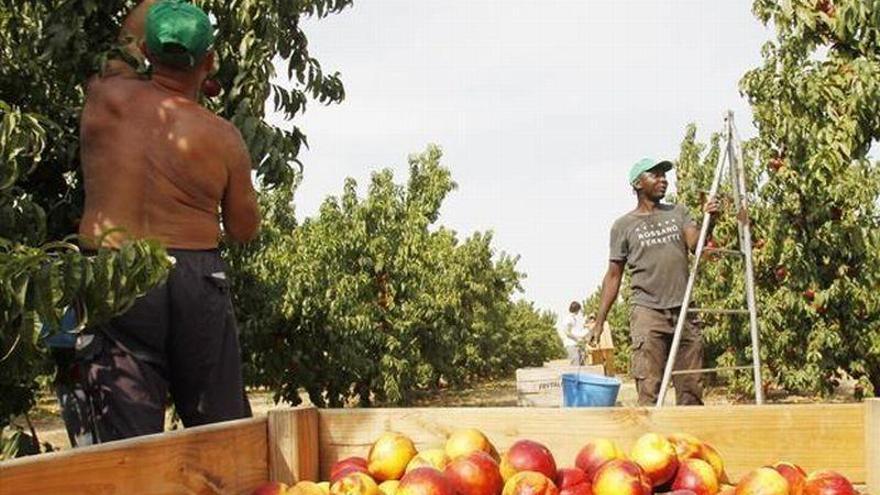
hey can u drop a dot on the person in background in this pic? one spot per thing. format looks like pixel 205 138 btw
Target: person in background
pixel 575 333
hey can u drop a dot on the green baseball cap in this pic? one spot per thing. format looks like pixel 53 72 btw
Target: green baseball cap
pixel 646 164
pixel 178 33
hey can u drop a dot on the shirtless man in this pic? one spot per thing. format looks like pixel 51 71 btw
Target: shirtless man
pixel 158 165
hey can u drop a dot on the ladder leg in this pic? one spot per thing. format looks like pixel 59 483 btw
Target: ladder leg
pixel 737 173
pixel 685 303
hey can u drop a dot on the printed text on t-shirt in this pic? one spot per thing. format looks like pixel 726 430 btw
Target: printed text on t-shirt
pixel 657 233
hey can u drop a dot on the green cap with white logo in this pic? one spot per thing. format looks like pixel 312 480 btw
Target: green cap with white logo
pixel 646 164
pixel 178 33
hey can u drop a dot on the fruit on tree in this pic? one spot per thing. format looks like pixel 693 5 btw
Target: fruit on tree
pixel 211 88
pixel 781 272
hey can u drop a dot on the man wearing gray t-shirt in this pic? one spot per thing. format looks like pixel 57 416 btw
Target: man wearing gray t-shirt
pixel 653 242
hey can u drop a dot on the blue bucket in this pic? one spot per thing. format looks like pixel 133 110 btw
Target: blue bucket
pixel 588 390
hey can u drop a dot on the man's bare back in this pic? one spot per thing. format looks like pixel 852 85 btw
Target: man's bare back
pixel 158 165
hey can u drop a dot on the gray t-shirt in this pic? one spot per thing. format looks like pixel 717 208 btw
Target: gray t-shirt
pixel 655 251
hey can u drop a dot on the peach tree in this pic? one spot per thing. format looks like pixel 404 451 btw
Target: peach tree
pixel 815 101
pixel 371 300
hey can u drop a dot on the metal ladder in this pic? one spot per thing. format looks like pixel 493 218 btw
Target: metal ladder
pixel 731 157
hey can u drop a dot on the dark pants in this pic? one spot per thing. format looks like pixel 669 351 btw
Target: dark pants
pixel 652 331
pixel 179 338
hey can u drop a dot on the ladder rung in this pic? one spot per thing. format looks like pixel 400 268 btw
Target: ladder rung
pixel 712 370
pixel 719 311
pixel 722 251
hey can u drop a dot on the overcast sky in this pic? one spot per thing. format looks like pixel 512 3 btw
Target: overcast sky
pixel 540 107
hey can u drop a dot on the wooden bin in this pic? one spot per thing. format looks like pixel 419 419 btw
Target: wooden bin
pixel 302 443
pixel 542 387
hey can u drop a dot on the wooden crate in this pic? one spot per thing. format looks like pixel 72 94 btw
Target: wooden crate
pixel 542 387
pixel 292 444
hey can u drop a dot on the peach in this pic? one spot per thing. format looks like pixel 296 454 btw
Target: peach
pixel 354 483
pixel 686 445
pixel 389 487
pixel 526 455
pixel 579 489
pixel 725 489
pixel 475 474
pixel 463 442
pixel 529 483
pixel 270 488
pixel 425 481
pixel 621 477
pixel 389 455
pixel 435 458
pixel 573 481
pixel 566 477
pixel 305 488
pixel 347 465
pixel 710 455
pixel 657 456
pixel 595 453
pixel 794 475
pixel 828 483
pixel 696 475
pixel 762 481
pixel 325 487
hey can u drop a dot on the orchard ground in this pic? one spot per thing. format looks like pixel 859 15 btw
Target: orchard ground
pixel 497 393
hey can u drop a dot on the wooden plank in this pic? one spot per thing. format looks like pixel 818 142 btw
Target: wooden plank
pixel 815 436
pixel 872 445
pixel 223 458
pixel 293 445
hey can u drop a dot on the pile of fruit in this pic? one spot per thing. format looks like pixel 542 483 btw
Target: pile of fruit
pixel 468 464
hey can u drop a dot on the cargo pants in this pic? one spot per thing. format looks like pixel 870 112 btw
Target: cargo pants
pixel 652 331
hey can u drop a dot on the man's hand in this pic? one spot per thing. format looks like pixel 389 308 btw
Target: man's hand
pixel 595 332
pixel 711 206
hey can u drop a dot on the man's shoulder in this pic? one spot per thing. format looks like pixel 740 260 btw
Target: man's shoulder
pixel 623 221
pixel 117 86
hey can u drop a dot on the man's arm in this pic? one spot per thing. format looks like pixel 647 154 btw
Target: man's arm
pixel 692 230
pixel 130 37
pixel 241 212
pixel 610 288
